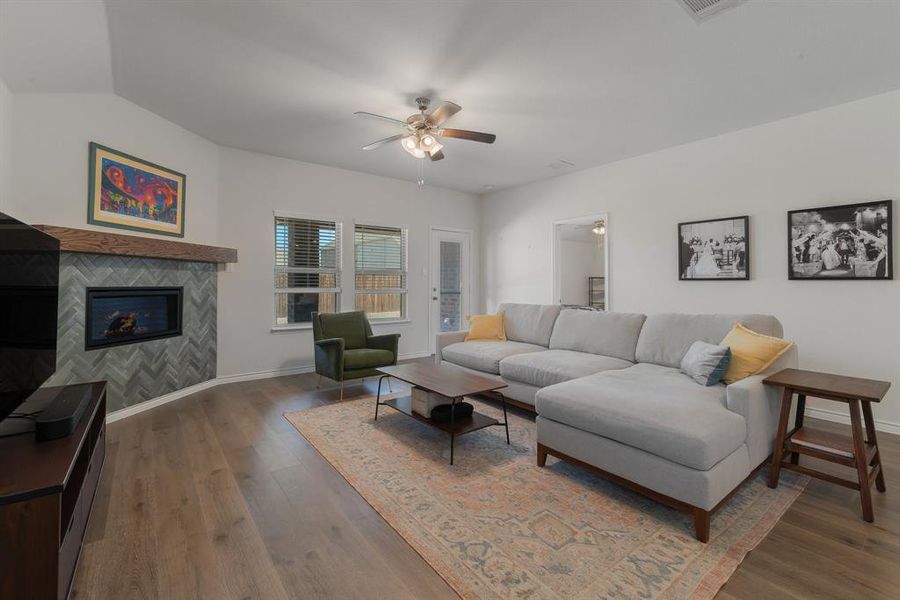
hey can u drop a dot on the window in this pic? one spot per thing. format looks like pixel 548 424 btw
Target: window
pixel 307 268
pixel 380 258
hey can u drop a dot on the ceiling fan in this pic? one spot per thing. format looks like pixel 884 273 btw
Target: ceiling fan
pixel 423 131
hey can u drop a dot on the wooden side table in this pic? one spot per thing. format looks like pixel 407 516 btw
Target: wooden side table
pixel 858 451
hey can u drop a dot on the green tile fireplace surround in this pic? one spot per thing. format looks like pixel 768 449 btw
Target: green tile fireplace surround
pixel 145 370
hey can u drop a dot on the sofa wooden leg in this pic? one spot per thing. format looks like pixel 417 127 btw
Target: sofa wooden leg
pixel 701 524
pixel 541 455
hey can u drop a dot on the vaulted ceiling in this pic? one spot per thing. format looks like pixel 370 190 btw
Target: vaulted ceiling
pixel 582 82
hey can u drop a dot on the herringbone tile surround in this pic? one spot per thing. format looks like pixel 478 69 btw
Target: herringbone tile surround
pixel 146 370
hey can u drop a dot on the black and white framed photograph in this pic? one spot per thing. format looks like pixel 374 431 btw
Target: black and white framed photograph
pixel 852 241
pixel 714 250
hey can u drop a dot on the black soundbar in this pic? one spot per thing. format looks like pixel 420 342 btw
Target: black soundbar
pixel 60 418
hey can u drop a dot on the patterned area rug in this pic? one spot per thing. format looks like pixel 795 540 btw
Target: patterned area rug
pixel 494 525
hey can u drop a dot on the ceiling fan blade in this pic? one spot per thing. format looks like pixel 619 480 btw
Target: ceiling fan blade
pixel 437 155
pixel 443 112
pixel 382 117
pixel 380 143
pixel 464 134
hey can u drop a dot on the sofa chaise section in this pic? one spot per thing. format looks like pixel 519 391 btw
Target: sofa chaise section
pixel 654 408
pixel 655 430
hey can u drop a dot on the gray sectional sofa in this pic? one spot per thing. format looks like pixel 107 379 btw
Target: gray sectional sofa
pixel 610 397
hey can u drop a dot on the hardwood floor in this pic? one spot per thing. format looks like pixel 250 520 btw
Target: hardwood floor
pixel 216 496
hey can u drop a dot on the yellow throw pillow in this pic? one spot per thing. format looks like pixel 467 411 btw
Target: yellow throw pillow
pixel 486 327
pixel 751 352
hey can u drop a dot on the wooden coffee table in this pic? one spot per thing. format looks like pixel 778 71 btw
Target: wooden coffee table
pixel 454 383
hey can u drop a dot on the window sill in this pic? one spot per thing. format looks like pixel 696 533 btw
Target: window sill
pixel 308 326
pixel 377 322
pixel 291 328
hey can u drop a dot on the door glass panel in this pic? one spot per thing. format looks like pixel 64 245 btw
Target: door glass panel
pixel 450 282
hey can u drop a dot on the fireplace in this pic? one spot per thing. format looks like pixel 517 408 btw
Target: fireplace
pixel 127 315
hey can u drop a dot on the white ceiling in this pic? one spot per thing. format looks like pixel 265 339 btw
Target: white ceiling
pixel 583 82
pixel 54 46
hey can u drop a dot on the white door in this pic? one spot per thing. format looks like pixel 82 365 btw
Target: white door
pixel 449 281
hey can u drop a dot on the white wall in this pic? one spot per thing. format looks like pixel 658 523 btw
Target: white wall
pixel 6 144
pixel 253 186
pixel 838 155
pixel 51 133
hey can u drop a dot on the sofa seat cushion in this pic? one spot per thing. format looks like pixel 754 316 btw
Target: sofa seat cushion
pixel 485 355
pixel 555 366
pixel 650 407
pixel 367 358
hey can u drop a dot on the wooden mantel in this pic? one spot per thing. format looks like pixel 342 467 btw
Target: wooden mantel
pixel 117 244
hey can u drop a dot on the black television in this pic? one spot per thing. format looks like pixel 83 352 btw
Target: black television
pixel 29 294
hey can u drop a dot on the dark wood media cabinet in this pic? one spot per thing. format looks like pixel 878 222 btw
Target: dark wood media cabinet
pixel 46 494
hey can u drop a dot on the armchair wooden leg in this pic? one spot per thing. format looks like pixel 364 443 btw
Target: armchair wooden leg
pixel 342 389
pixel 319 383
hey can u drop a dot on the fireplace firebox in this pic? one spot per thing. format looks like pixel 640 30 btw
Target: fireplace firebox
pixel 127 315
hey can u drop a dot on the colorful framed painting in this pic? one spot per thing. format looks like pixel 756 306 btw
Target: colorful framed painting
pixel 130 193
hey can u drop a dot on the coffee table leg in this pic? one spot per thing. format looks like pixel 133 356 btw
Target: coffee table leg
pixel 378 397
pixel 505 418
pixel 452 435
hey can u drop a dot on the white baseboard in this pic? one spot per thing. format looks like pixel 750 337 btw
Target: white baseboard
pixel 838 417
pixel 222 380
pixel 129 411
pixel 252 376
pixel 412 355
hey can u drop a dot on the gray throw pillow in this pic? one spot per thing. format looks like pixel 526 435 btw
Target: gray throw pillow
pixel 706 363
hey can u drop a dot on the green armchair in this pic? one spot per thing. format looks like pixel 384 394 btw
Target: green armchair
pixel 345 347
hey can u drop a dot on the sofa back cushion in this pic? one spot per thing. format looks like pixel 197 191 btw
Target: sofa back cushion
pixel 665 338
pixel 529 323
pixel 597 332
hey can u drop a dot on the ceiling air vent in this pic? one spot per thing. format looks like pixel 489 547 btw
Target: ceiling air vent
pixel 704 9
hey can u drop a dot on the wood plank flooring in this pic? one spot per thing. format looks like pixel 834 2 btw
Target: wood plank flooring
pixel 217 496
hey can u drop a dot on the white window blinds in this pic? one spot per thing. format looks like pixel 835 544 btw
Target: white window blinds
pixel 307 268
pixel 380 258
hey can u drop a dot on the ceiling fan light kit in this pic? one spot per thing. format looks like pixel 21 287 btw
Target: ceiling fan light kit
pixel 423 134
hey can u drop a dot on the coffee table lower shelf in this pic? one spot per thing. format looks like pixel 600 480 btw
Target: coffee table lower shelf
pixel 456 428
